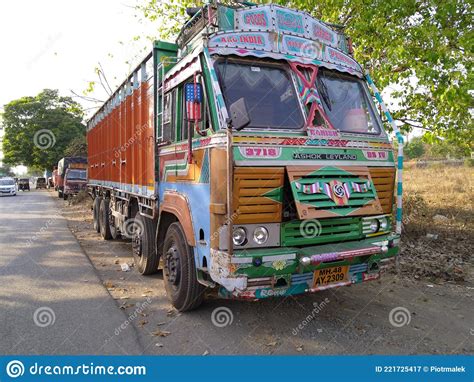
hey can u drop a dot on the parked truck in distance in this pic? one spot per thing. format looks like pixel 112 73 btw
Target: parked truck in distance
pixel 75 180
pixel 76 163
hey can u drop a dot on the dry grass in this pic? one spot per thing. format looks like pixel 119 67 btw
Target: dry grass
pixel 432 191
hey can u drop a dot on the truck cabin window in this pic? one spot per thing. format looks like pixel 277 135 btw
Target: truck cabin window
pixel 268 90
pixel 347 104
pixel 77 174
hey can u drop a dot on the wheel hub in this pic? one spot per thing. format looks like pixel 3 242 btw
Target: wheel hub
pixel 137 241
pixel 172 266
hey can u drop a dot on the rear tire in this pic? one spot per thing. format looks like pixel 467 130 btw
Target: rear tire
pixel 95 213
pixel 65 196
pixel 114 231
pixel 143 245
pixel 179 271
pixel 104 219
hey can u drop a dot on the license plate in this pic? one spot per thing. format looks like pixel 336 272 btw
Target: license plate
pixel 332 275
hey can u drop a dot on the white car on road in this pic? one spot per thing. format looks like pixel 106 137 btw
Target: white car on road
pixel 7 186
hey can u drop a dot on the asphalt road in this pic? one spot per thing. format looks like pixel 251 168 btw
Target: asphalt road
pixel 51 299
pixel 53 263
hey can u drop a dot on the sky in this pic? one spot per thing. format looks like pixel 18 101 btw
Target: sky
pixel 58 44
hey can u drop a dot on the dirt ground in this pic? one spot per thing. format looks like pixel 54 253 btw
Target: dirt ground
pixel 424 308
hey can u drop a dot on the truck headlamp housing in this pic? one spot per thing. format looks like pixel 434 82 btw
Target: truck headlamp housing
pixel 239 236
pixel 260 235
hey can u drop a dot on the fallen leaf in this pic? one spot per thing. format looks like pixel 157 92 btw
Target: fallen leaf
pixel 205 353
pixel 273 343
pixel 161 333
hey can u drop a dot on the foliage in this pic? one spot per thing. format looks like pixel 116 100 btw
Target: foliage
pixel 77 147
pixel 38 129
pixel 415 148
pixel 422 48
pixel 6 171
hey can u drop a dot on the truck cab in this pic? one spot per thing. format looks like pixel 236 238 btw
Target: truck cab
pixel 75 180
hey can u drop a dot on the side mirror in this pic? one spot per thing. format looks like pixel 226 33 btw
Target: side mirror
pixel 193 98
pixel 239 114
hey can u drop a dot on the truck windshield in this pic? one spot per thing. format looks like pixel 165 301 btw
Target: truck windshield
pixel 77 174
pixel 268 91
pixel 347 103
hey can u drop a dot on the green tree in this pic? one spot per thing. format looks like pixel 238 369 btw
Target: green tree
pixel 38 129
pixel 77 147
pixel 422 48
pixel 415 148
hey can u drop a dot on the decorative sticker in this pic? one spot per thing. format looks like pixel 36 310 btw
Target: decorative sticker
pixel 315 133
pixel 254 19
pixel 289 21
pixel 375 155
pixel 336 56
pixel 301 47
pixel 242 40
pixel 319 31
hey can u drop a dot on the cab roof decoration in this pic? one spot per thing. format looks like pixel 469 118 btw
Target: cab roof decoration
pixel 276 32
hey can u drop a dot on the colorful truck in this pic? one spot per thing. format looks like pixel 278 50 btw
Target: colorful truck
pixel 74 184
pixel 248 159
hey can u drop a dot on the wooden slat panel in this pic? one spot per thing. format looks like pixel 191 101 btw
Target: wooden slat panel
pixel 250 184
pixel 384 181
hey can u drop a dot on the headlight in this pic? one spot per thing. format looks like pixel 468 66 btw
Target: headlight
pixel 383 224
pixel 239 236
pixel 260 235
pixel 374 226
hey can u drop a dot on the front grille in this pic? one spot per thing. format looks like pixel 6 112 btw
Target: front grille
pixel 318 191
pixel 258 194
pixel 311 232
pixel 384 180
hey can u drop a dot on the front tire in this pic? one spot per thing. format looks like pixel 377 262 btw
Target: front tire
pixel 179 271
pixel 143 245
pixel 104 219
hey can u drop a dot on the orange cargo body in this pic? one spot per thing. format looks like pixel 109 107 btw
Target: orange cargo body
pixel 121 139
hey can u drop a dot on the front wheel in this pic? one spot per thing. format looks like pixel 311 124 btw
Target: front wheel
pixel 179 271
pixel 143 245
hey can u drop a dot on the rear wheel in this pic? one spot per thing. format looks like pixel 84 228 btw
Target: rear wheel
pixel 65 196
pixel 179 271
pixel 95 213
pixel 104 219
pixel 114 231
pixel 143 245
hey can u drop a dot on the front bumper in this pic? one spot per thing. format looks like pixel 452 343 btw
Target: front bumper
pixel 256 274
